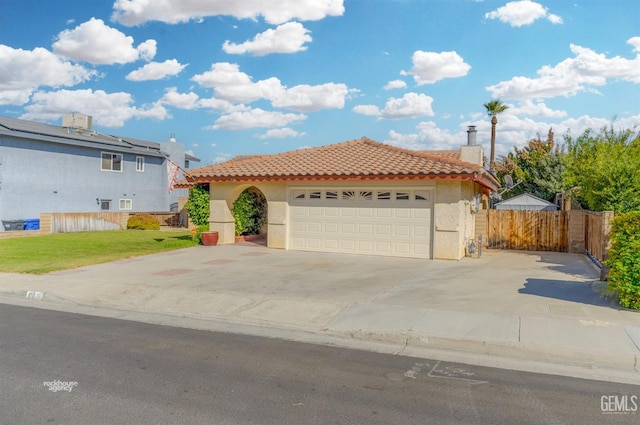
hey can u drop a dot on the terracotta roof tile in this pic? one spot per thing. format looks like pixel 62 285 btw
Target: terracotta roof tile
pixel 361 158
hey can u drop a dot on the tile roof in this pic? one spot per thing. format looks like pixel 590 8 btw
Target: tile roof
pixel 360 159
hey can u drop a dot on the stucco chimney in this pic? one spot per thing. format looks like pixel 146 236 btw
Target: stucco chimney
pixel 471 135
pixel 471 152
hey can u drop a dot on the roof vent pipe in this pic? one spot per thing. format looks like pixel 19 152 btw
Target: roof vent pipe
pixel 471 135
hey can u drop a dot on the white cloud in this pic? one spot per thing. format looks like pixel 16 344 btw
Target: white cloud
pixel 180 100
pixel 367 110
pixel 221 105
pixel 99 44
pixel 428 137
pixel 536 109
pixel 305 98
pixel 286 38
pixel 156 71
pixel 430 67
pixel 147 50
pixel 255 118
pixel 107 109
pixel 232 85
pixel 410 105
pixel 524 12
pixel 280 133
pixel 512 130
pixel 395 84
pixel 23 71
pixel 136 12
pixel 221 157
pixel 583 72
pixel 635 42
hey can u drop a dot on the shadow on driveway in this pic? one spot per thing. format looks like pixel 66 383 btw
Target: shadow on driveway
pixel 578 292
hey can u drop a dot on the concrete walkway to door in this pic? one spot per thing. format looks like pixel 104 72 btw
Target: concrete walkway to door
pixel 522 306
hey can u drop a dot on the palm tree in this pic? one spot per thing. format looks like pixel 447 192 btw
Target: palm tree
pixel 494 108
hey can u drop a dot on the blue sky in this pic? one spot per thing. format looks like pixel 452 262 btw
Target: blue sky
pixel 250 77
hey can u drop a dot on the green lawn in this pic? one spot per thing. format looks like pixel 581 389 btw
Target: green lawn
pixel 44 254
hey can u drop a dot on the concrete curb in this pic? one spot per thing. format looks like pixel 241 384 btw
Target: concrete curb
pixel 505 354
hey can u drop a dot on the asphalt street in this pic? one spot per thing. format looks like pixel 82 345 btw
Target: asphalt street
pixel 62 368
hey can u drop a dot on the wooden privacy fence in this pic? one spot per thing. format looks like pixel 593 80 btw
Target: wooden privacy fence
pixel 527 230
pixel 87 222
pixel 98 221
pixel 575 231
pixel 597 231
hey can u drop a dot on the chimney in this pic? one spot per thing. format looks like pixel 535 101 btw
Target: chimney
pixel 471 136
pixel 471 152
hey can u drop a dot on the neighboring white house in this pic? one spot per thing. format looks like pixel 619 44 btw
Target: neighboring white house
pixel 72 168
pixel 526 201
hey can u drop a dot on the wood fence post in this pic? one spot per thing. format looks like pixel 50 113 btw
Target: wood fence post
pixel 575 234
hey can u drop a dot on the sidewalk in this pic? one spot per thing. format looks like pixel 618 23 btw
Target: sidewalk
pixel 508 308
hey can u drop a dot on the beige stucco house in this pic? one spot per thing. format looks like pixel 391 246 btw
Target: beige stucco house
pixel 360 197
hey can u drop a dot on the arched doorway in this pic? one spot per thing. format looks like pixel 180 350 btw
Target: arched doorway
pixel 250 214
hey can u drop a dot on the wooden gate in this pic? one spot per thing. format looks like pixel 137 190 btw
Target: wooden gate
pixel 528 230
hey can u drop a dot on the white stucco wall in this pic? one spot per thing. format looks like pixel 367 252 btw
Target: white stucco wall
pixel 453 221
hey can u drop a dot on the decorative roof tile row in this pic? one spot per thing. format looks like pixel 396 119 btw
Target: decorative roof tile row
pixel 356 158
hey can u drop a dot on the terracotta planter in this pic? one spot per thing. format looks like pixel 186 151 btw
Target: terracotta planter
pixel 209 238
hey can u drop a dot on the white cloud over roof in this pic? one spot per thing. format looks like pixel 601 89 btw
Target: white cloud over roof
pixel 280 133
pixel 286 38
pixel 107 109
pixel 411 105
pixel 523 12
pixel 233 85
pixel 99 44
pixel 136 12
pixel 585 71
pixel 23 71
pixel 430 67
pixel 241 120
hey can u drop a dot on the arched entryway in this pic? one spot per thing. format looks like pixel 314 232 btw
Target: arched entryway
pixel 250 212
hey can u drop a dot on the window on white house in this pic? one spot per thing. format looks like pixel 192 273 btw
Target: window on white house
pixel 105 204
pixel 126 204
pixel 140 163
pixel 111 162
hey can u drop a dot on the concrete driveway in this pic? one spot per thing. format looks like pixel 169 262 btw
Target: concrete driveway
pixel 505 303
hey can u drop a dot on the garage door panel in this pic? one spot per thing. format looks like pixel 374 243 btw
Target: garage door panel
pixel 331 227
pixel 348 228
pixel 421 231
pixel 383 229
pixel 402 230
pixel 364 224
pixel 332 212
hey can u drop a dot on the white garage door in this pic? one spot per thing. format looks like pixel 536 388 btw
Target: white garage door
pixel 380 221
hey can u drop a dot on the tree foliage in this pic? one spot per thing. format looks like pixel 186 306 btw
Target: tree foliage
pixel 539 165
pixel 249 213
pixel 494 108
pixel 198 205
pixel 624 259
pixel 603 169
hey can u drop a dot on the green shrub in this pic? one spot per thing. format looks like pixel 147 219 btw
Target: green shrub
pixel 624 259
pixel 143 221
pixel 198 205
pixel 249 213
pixel 196 232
